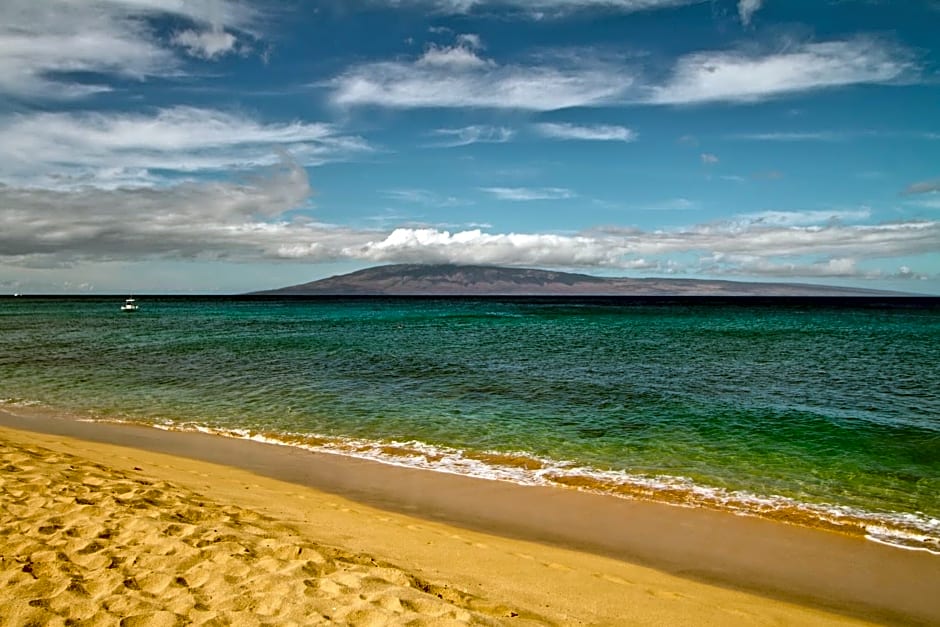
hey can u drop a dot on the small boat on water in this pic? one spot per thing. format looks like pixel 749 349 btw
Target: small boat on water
pixel 129 305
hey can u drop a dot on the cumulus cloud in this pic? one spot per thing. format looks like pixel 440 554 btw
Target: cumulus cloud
pixel 522 194
pixel 207 44
pixel 476 134
pixel 708 158
pixel 470 40
pixel 42 41
pixel 745 77
pixel 733 249
pixel 461 57
pixel 594 132
pixel 747 9
pixel 457 77
pixel 435 246
pixel 112 149
pixel 905 272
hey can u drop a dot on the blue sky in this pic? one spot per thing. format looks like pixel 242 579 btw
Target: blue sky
pixel 224 146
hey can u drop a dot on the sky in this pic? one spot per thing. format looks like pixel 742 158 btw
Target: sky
pixel 224 146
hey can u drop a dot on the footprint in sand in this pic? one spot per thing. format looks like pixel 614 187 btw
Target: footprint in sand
pixel 666 594
pixel 161 555
pixel 614 579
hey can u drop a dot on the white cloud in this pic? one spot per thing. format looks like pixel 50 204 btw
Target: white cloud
pixel 831 240
pixel 734 249
pixel 474 246
pixel 824 136
pixel 594 132
pixel 746 265
pixel 207 44
pixel 189 221
pixel 802 218
pixel 672 204
pixel 470 40
pixel 923 187
pixel 81 148
pixel 237 14
pixel 831 136
pixel 462 57
pixel 424 197
pixel 539 8
pixel 708 158
pixel 929 200
pixel 835 268
pixel 456 76
pixel 522 194
pixel 741 77
pixel 747 9
pixel 40 40
pixel 475 134
pixel 246 222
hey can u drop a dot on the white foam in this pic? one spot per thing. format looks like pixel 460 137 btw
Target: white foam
pixel 19 402
pixel 903 540
pixel 902 530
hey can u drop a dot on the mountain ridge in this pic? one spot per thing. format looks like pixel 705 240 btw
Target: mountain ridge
pixel 484 280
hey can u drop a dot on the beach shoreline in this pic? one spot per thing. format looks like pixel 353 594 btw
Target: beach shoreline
pixel 730 560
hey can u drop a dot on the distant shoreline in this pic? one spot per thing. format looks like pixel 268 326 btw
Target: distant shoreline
pixel 484 280
pixel 914 300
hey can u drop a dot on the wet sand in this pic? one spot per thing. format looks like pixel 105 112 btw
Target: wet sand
pixel 489 549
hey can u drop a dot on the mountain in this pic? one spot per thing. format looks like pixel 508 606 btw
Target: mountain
pixel 467 280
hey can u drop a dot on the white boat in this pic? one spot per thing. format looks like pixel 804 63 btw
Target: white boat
pixel 129 305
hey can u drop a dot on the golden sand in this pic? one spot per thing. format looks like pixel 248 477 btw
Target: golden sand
pixel 84 543
pixel 96 534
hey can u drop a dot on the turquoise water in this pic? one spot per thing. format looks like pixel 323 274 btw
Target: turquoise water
pixel 813 413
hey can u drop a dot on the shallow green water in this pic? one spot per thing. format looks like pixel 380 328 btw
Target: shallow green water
pixel 831 407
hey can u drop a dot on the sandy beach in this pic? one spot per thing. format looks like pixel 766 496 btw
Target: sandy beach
pixel 98 532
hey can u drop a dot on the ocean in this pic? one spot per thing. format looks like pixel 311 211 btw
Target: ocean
pixel 820 413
